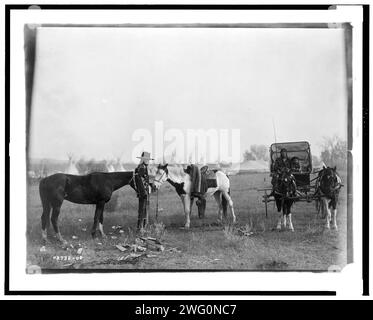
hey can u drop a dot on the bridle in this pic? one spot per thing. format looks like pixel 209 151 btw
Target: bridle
pixel 160 179
pixel 332 177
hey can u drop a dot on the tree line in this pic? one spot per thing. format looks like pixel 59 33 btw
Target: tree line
pixel 333 153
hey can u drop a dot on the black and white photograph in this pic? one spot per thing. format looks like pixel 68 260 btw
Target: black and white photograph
pixel 189 145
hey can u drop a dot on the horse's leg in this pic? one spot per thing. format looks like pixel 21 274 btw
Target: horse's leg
pixel 289 218
pixel 99 209
pixel 279 221
pixel 224 204
pixel 101 223
pixel 335 219
pixel 55 214
pixel 328 214
pixel 45 219
pixel 191 205
pixel 230 203
pixel 291 227
pixel 334 214
pixel 284 214
pixel 218 199
pixel 187 211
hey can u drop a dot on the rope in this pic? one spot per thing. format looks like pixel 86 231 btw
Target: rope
pixel 156 209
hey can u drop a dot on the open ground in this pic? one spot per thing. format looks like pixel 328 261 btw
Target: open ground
pixel 206 245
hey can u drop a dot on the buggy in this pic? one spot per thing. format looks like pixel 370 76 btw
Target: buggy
pixel 299 154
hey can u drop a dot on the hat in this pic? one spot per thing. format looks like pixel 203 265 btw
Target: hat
pixel 283 150
pixel 145 155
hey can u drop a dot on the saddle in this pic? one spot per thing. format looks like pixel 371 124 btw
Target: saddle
pixel 208 179
pixel 202 179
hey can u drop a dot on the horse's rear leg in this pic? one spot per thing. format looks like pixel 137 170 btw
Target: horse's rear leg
pixel 54 219
pixel 224 204
pixel 45 219
pixel 230 203
pixel 101 224
pixel 219 201
pixel 98 212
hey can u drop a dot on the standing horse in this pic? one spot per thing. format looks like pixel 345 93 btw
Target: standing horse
pixel 328 185
pixel 181 181
pixel 94 188
pixel 284 192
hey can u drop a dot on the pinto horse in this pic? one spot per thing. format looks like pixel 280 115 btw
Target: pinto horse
pixel 284 193
pixel 94 188
pixel 328 185
pixel 181 181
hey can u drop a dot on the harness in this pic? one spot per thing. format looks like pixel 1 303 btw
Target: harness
pixel 333 190
pixel 281 178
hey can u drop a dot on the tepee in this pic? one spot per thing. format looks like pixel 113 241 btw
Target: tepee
pixel 109 166
pixel 71 169
pixel 118 165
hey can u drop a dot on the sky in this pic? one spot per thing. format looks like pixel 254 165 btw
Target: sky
pixel 94 88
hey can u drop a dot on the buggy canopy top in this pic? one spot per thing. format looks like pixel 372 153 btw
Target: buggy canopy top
pixel 299 149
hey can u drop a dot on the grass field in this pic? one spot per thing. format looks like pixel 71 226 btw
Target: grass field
pixel 206 245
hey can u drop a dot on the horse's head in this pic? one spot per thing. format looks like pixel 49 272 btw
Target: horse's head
pixel 329 180
pixel 286 182
pixel 161 175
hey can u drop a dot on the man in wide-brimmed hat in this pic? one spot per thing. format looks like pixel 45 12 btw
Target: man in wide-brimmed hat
pixel 142 188
pixel 283 161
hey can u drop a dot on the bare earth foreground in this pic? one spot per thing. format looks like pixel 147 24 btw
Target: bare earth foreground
pixel 207 245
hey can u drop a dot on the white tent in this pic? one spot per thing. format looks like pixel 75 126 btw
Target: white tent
pixel 254 166
pixel 118 166
pixel 110 167
pixel 71 169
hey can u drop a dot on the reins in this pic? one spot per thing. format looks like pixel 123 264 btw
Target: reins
pixel 333 190
pixel 156 206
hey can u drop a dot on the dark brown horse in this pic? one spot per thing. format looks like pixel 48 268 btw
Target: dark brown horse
pixel 94 188
pixel 284 193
